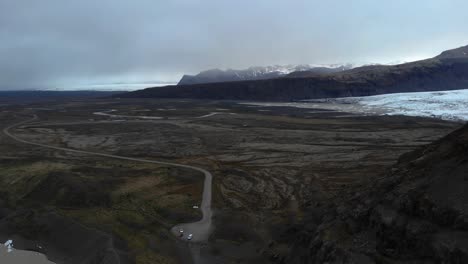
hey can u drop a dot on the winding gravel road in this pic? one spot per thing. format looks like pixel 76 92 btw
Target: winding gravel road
pixel 201 229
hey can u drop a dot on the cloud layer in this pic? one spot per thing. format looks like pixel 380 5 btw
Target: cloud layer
pixel 54 42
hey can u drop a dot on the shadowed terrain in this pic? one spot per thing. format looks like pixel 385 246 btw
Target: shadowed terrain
pixel 415 213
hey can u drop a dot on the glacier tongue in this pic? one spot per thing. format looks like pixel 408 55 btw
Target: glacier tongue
pixel 448 105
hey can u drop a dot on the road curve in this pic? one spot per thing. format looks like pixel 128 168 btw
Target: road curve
pixel 201 229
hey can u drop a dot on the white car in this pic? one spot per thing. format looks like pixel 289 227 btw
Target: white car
pixel 189 237
pixel 181 232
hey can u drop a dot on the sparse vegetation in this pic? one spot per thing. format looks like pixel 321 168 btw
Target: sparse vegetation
pixel 270 167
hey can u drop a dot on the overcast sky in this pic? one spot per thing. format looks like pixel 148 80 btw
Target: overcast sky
pixel 48 43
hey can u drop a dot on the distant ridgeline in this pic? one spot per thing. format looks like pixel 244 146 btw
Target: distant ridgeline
pixel 448 71
pixel 257 73
pixel 37 94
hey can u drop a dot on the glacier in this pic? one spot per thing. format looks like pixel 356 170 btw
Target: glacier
pixel 448 105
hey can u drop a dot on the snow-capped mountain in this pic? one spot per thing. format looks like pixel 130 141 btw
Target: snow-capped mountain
pixel 448 71
pixel 258 72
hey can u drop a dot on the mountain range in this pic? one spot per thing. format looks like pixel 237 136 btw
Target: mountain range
pixel 258 73
pixel 447 71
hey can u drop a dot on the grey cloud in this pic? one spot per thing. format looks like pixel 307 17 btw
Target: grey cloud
pixel 49 42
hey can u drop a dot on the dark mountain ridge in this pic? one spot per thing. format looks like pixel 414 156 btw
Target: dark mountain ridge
pixel 448 71
pixel 256 73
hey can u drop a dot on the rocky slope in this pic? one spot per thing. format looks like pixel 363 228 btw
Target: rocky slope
pixel 448 71
pixel 257 73
pixel 417 213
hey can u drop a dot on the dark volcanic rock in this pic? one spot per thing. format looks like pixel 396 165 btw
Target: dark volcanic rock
pixel 447 71
pixel 418 213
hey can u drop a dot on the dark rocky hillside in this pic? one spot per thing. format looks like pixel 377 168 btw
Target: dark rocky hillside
pixel 256 73
pixel 447 71
pixel 461 52
pixel 417 213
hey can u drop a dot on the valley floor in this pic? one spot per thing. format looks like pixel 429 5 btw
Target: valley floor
pixel 269 163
